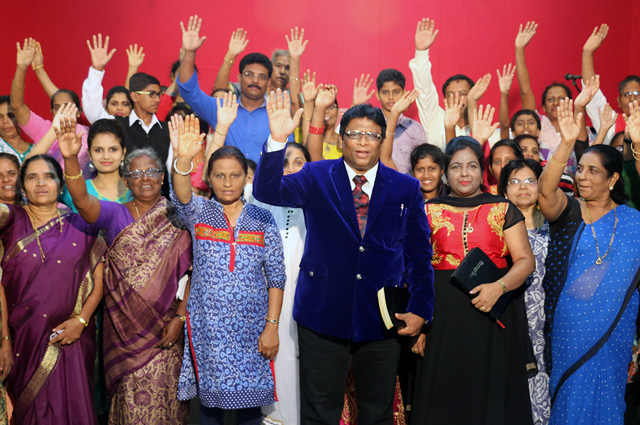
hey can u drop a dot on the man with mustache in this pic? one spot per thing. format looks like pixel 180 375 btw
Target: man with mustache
pixel 251 128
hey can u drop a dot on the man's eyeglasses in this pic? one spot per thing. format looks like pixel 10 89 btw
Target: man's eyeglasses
pixel 517 182
pixel 250 75
pixel 152 173
pixel 631 93
pixel 368 135
pixel 152 94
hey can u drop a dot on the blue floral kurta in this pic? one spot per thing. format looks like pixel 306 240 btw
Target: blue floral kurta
pixel 232 272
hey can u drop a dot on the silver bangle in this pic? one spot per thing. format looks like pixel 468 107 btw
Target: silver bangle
pixel 175 168
pixel 273 321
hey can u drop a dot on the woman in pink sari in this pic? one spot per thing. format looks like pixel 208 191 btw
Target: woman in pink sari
pixel 52 277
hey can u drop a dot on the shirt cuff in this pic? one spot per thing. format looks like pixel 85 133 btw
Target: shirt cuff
pixel 95 74
pixel 273 146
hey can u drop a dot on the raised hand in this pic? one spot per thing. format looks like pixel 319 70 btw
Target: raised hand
pixel 69 141
pixel 135 56
pixel 238 42
pixel 633 121
pixel 100 54
pixel 191 40
pixel 426 34
pixel 38 59
pixel 227 110
pixel 309 89
pixel 281 123
pixel 506 79
pixel 296 44
pixel 361 93
pixel 607 117
pixel 525 34
pixel 589 89
pixel 569 124
pixel 175 124
pixel 69 110
pixel 452 110
pixel 482 128
pixel 596 38
pixel 326 96
pixel 405 101
pixel 27 54
pixel 190 140
pixel 480 87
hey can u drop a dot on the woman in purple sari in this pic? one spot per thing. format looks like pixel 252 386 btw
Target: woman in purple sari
pixel 52 278
pixel 143 320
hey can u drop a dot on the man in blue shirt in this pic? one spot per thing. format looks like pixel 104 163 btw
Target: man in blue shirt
pixel 251 128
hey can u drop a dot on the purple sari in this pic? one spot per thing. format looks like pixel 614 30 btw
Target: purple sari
pixel 52 384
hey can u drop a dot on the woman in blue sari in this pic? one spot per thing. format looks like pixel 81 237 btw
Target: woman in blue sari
pixel 591 302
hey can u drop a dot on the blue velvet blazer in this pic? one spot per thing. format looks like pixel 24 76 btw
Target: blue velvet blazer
pixel 341 272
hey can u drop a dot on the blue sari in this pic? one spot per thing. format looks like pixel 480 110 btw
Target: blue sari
pixel 587 306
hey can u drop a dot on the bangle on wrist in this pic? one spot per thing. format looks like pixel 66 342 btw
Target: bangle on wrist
pixel 633 150
pixel 564 164
pixel 222 134
pixel 35 68
pixel 272 321
pixel 181 317
pixel 306 119
pixel 76 177
pixel 504 287
pixel 294 79
pixel 229 61
pixel 84 322
pixel 175 168
pixel 316 130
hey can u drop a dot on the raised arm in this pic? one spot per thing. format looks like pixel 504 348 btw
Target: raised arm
pixel 190 142
pixel 476 93
pixel 452 112
pixel 522 40
pixel 504 81
pixel 227 113
pixel 92 86
pixel 590 46
pixel 296 45
pixel 590 87
pixel 309 93
pixel 607 119
pixel 237 44
pixel 38 66
pixel 396 110
pixel 69 110
pixel 552 200
pixel 191 41
pixel 633 128
pixel 361 93
pixel 325 98
pixel 482 128
pixel 25 57
pixel 135 55
pixel 70 143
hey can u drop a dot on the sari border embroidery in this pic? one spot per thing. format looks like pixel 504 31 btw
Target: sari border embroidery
pixel 4 214
pixel 36 382
pixel 24 242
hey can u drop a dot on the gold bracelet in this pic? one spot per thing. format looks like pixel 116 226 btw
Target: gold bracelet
pixel 84 322
pixel 38 67
pixel 504 287
pixel 306 119
pixel 229 61
pixel 72 177
pixel 558 162
pixel 222 134
pixel 272 321
pixel 181 317
pixel 635 152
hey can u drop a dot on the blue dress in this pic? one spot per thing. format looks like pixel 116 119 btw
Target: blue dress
pixel 233 268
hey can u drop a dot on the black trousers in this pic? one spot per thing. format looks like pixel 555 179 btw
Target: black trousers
pixel 324 367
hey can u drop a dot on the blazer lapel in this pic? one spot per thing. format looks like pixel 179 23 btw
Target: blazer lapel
pixel 381 186
pixel 343 189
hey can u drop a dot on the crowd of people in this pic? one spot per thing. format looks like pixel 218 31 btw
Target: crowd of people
pixel 168 243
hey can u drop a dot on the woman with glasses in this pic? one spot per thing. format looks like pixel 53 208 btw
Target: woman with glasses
pixel 468 359
pixel 519 183
pixel 145 307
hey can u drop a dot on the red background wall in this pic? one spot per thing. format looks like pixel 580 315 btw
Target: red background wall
pixel 347 37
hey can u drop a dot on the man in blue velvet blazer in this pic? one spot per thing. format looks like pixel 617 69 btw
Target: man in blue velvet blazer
pixel 336 305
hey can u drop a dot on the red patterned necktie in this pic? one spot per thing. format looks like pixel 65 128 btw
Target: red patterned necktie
pixel 361 201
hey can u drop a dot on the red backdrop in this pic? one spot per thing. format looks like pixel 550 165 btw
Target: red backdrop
pixel 347 37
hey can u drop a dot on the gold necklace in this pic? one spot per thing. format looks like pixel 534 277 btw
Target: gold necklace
pixel 37 232
pixel 613 235
pixel 469 229
pixel 136 207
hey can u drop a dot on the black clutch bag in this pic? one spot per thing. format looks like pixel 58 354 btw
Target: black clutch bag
pixel 392 300
pixel 477 269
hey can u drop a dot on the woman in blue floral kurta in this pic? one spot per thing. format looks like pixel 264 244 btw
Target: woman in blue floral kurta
pixel 236 292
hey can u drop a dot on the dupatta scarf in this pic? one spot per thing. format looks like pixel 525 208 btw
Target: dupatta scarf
pixel 43 294
pixel 144 264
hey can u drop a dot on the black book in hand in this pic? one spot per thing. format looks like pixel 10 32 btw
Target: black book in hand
pixel 476 269
pixel 392 300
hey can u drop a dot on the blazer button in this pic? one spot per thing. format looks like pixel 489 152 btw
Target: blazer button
pixel 361 248
pixel 311 273
pixel 358 276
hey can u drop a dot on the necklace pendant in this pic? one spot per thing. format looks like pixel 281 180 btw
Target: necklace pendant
pixel 599 261
pixel 469 229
